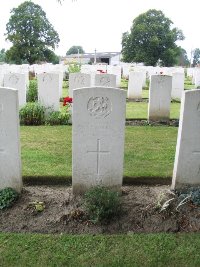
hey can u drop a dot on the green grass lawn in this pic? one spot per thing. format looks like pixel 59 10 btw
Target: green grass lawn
pixel 46 151
pixel 139 110
pixel 24 250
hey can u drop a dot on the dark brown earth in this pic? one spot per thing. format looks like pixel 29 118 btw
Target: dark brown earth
pixel 141 212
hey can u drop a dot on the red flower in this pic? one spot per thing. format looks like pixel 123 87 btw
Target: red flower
pixel 67 100
pixel 161 72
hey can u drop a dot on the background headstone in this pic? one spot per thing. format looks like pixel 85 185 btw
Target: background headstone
pixel 48 90
pixel 78 80
pixel 105 80
pixel 135 84
pixel 159 97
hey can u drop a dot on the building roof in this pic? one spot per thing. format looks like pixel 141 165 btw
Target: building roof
pixel 92 55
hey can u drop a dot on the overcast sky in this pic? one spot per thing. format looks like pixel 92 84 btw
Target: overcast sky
pixel 100 24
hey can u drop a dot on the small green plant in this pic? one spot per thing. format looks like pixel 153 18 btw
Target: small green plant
pixel 32 93
pixel 102 204
pixel 58 118
pixel 74 67
pixel 32 114
pixel 7 197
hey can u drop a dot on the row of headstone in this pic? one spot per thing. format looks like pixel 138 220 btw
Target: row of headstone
pixel 80 80
pixel 98 138
pixel 137 80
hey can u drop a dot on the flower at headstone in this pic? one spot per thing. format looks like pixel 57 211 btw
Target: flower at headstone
pixel 67 100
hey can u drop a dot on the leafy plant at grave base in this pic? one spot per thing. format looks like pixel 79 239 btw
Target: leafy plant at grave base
pixel 7 197
pixel 146 87
pixel 58 118
pixel 32 114
pixel 32 93
pixel 192 193
pixel 102 204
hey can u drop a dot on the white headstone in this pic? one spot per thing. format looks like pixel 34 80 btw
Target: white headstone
pixel 48 90
pixel 78 80
pixel 135 84
pixel 98 138
pixel 10 155
pixel 159 97
pixel 105 80
pixel 177 85
pixel 17 81
pixel 187 159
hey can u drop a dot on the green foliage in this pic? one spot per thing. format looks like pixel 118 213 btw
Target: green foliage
pixel 196 57
pixel 7 197
pixel 2 55
pixel 32 93
pixel 151 40
pixel 32 114
pixel 31 34
pixel 74 67
pixel 192 193
pixel 102 204
pixel 76 49
pixel 58 118
pixel 182 59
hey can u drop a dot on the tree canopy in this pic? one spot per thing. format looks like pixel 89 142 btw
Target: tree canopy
pixel 75 49
pixel 182 59
pixel 196 57
pixel 32 35
pixel 2 55
pixel 151 39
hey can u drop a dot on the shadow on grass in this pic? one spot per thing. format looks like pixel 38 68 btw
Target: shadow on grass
pixel 67 180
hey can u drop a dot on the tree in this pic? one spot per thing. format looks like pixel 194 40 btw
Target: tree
pixel 151 39
pixel 196 57
pixel 182 59
pixel 2 55
pixel 32 35
pixel 76 49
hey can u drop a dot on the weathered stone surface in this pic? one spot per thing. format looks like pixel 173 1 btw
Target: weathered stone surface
pixel 98 137
pixel 187 159
pixel 10 155
pixel 159 97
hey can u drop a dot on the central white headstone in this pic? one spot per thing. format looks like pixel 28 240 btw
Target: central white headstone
pixel 98 137
pixel 159 97
pixel 177 85
pixel 10 155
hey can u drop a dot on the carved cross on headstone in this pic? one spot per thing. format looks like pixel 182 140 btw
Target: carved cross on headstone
pixel 98 152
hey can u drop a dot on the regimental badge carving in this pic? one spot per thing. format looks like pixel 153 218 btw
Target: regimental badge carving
pixel 99 107
pixel 14 79
pixel 104 81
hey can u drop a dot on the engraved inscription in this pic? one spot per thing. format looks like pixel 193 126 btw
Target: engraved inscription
pixel 79 80
pixel 105 81
pixel 14 79
pixel 47 78
pixel 98 152
pixel 99 107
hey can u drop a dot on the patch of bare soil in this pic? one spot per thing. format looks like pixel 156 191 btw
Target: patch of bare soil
pixel 143 122
pixel 63 213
